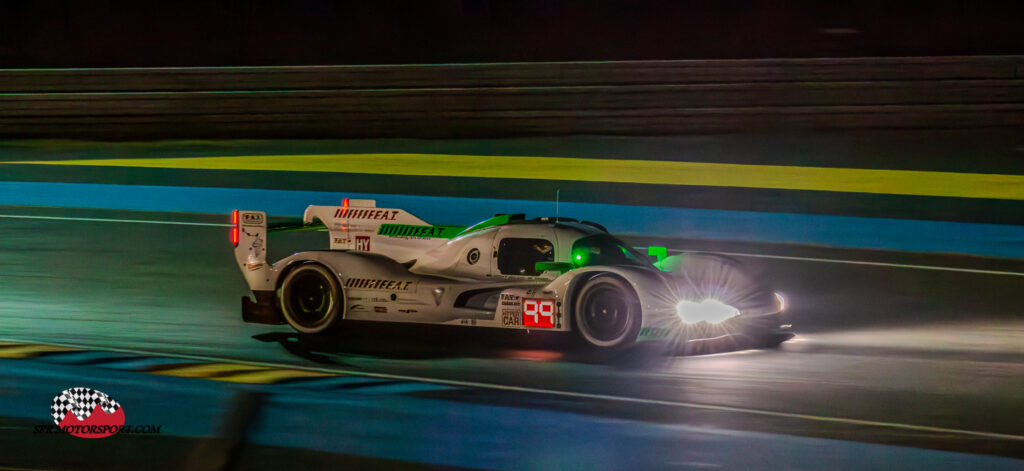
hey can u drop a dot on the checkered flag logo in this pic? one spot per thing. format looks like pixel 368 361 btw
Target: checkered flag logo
pixel 81 402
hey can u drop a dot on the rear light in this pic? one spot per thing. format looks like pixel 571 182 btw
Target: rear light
pixel 234 228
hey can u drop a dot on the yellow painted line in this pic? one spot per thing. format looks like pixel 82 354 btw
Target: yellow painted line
pixel 237 373
pixel 217 371
pixel 205 370
pixel 271 376
pixel 29 350
pixel 896 182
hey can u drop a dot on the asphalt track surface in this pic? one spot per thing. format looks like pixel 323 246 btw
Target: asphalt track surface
pixel 897 355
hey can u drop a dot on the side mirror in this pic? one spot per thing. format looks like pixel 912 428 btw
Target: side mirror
pixel 560 267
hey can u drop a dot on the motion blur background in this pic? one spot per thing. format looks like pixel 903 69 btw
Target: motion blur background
pixel 864 158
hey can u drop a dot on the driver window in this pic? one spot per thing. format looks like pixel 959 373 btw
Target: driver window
pixel 519 256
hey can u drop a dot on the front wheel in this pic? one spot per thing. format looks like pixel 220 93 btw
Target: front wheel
pixel 311 299
pixel 606 314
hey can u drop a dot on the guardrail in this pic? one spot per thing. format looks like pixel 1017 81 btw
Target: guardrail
pixel 470 100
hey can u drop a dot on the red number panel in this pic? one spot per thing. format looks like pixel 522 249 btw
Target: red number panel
pixel 538 313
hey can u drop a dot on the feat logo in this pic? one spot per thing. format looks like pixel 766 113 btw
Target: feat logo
pixel 376 214
pixel 252 219
pixel 383 285
pixel 87 413
pixel 363 243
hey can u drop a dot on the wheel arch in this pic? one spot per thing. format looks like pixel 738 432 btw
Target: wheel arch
pixel 572 292
pixel 293 264
pixel 296 263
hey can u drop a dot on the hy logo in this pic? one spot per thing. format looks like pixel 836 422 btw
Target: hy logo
pixel 87 413
pixel 363 243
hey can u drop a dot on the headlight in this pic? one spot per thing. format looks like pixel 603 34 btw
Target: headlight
pixel 709 310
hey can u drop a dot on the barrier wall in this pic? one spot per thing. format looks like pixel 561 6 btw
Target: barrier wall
pixel 515 99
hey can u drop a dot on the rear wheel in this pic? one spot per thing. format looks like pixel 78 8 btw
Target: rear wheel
pixel 606 314
pixel 311 299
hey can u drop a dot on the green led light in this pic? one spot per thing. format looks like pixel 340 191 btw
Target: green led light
pixel 579 257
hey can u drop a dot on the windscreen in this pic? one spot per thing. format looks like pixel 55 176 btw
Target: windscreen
pixel 603 249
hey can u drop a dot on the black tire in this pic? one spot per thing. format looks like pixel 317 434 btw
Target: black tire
pixel 606 314
pixel 311 299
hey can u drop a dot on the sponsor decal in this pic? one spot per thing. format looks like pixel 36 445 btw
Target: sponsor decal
pixel 380 309
pixel 257 242
pixel 383 285
pixel 407 311
pixel 375 214
pixel 473 256
pixel 363 243
pixel 510 303
pixel 252 219
pixel 511 318
pixel 510 297
pixel 341 241
pixel 357 307
pixel 254 266
pixel 539 312
pixel 89 413
pixel 418 232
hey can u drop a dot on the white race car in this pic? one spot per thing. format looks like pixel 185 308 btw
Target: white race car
pixel 554 274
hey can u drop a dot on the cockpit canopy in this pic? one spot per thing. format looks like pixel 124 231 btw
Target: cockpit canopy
pixel 604 249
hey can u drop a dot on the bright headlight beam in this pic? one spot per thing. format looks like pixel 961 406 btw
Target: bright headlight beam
pixel 708 310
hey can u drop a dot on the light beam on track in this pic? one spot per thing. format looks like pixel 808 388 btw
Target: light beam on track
pixel 134 221
pixel 860 262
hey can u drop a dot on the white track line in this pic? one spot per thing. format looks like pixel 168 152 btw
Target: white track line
pixel 858 262
pixel 552 392
pixel 136 221
pixel 734 254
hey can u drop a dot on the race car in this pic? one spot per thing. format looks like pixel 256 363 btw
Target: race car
pixel 507 272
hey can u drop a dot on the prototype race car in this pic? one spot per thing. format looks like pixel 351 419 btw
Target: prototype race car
pixel 553 274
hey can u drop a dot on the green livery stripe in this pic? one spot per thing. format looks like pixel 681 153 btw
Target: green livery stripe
pixel 406 230
pixel 850 180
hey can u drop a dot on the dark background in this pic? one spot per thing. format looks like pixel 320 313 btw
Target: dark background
pixel 113 33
